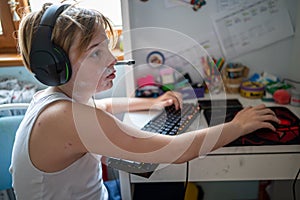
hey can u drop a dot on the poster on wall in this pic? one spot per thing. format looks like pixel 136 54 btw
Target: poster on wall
pixel 252 27
pixel 228 5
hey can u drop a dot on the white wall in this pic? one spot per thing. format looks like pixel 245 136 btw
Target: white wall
pixel 280 58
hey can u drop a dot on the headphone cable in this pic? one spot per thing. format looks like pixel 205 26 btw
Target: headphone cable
pixel 112 169
pixel 186 172
pixel 93 98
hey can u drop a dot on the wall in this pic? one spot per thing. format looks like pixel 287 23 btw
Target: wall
pixel 279 58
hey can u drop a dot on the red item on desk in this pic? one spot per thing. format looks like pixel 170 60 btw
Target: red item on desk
pixel 282 96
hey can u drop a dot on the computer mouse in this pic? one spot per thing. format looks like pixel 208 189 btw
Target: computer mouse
pixel 275 124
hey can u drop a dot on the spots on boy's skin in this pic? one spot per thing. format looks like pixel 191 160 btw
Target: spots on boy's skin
pixel 68 145
pixel 39 124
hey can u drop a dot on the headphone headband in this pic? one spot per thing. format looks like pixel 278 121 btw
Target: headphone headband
pixel 48 61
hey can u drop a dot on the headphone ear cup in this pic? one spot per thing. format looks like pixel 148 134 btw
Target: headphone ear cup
pixel 49 62
pixel 51 67
pixel 63 68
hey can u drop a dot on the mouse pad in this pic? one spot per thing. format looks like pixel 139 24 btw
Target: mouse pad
pixel 287 131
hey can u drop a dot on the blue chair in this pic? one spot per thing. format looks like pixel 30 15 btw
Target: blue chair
pixel 8 128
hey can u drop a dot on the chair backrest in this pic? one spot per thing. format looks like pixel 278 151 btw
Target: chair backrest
pixel 8 128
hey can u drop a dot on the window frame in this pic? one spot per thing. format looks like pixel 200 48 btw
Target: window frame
pixel 9 55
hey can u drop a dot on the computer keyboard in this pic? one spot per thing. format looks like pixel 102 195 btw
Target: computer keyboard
pixel 172 121
pixel 168 122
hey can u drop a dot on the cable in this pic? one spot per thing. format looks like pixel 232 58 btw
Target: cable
pixel 112 169
pixel 290 80
pixel 294 184
pixel 186 175
pixel 186 178
pixel 94 102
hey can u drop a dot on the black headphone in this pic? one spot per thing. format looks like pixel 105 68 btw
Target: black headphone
pixel 49 62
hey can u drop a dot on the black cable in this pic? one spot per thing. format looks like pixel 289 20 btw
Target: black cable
pixel 290 80
pixel 94 102
pixel 112 169
pixel 186 178
pixel 294 184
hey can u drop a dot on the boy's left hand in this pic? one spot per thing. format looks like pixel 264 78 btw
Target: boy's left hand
pixel 169 98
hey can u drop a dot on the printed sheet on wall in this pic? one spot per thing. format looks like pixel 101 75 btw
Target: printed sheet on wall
pixel 252 26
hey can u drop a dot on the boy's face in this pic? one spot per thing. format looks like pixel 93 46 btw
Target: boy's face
pixel 94 70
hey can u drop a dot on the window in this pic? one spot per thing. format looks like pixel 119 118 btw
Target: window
pixel 1 31
pixel 110 8
pixel 8 27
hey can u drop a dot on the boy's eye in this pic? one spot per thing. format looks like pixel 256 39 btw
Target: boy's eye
pixel 95 54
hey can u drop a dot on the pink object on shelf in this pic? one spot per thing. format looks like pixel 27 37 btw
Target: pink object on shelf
pixel 146 80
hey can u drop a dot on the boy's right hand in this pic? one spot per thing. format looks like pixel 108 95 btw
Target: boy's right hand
pixel 252 118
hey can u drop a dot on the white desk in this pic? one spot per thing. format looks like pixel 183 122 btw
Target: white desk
pixel 280 162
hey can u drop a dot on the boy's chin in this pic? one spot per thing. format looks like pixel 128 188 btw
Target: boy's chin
pixel 105 87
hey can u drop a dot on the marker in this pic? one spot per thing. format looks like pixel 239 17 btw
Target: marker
pixel 125 62
pixel 267 99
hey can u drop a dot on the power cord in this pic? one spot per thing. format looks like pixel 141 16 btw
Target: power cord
pixel 186 178
pixel 294 184
pixel 290 80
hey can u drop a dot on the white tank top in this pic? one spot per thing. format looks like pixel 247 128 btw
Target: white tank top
pixel 81 180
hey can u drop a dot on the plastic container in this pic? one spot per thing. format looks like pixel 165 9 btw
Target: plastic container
pixel 295 97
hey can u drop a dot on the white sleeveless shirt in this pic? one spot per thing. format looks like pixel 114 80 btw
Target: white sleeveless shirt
pixel 81 180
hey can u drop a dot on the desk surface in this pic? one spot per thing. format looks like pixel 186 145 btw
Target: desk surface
pixel 139 119
pixel 276 162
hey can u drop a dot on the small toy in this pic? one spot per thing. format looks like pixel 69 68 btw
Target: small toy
pixel 197 4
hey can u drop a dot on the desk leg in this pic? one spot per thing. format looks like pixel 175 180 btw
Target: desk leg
pixel 125 185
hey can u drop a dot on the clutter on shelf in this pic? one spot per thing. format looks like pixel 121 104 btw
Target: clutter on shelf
pixel 279 91
pixel 233 76
pixel 148 87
